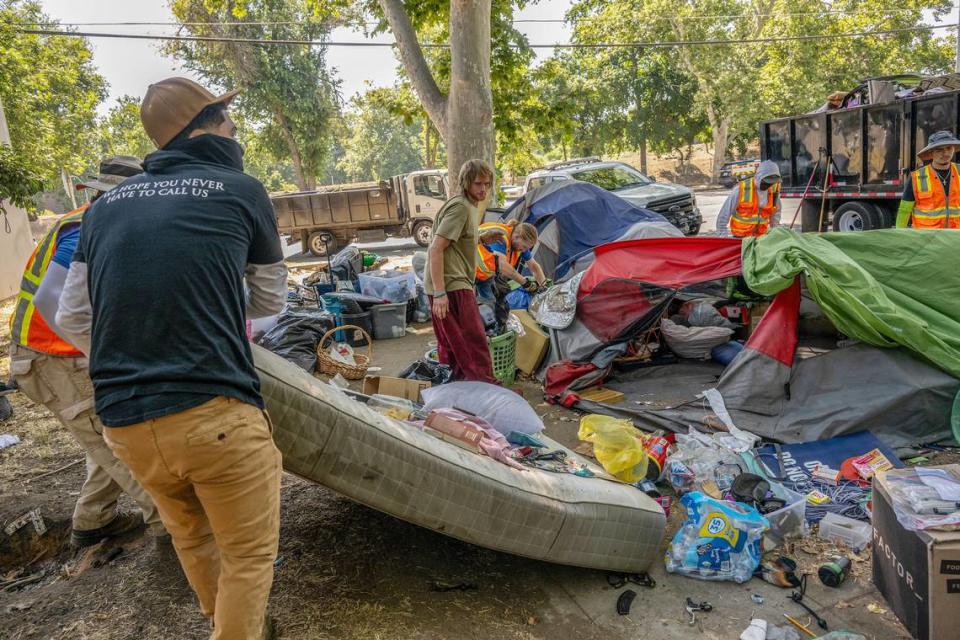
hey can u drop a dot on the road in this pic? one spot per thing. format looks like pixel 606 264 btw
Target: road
pixel 399 249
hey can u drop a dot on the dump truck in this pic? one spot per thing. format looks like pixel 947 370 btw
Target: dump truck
pixel 332 217
pixel 850 165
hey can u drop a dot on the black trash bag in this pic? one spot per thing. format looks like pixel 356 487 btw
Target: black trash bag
pixel 432 372
pixel 296 335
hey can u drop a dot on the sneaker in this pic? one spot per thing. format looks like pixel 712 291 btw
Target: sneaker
pixel 123 523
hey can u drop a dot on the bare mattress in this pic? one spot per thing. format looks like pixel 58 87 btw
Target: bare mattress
pixel 334 440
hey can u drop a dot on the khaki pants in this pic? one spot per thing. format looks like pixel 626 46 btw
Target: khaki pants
pixel 64 387
pixel 214 473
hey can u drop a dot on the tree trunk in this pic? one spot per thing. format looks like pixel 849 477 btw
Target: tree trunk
pixel 304 182
pixel 68 187
pixel 427 157
pixel 721 134
pixel 470 103
pixel 643 153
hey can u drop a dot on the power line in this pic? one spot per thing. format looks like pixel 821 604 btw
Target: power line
pixel 569 45
pixel 241 23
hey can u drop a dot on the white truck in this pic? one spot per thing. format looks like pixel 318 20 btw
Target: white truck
pixel 333 217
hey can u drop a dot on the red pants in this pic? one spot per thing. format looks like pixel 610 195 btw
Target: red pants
pixel 461 341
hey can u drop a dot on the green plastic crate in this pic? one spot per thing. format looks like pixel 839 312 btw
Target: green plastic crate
pixel 503 352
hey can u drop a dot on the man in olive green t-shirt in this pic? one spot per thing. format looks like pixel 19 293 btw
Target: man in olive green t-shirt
pixel 448 281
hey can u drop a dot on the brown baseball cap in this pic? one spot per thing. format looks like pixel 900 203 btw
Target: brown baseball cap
pixel 171 104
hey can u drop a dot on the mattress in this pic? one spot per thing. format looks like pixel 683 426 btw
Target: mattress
pixel 329 438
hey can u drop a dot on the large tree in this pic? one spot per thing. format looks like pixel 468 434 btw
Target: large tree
pixel 463 115
pixel 286 90
pixel 743 82
pixel 50 91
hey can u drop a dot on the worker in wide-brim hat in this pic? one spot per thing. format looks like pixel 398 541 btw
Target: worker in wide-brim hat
pixel 931 198
pixel 53 372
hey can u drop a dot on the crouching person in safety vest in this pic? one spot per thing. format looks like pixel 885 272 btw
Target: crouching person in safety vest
pixel 53 372
pixel 931 199
pixel 753 206
pixel 511 243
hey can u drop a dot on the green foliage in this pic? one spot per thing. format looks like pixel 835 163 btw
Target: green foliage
pixel 381 142
pixel 18 182
pixel 287 93
pixel 50 91
pixel 121 132
pixel 738 85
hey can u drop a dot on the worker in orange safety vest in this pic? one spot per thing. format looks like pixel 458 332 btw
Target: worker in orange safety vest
pixel 753 206
pixel 53 372
pixel 511 243
pixel 931 198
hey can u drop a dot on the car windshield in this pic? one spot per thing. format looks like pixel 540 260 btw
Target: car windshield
pixel 613 178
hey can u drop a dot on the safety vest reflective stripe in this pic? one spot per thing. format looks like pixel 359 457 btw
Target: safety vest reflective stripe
pixel 749 219
pixel 934 208
pixel 486 266
pixel 29 330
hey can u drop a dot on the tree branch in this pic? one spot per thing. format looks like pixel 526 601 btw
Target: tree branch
pixel 415 64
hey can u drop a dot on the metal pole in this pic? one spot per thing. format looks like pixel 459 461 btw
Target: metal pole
pixel 956 67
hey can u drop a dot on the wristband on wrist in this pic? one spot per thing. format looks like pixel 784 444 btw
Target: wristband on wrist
pixel 439 294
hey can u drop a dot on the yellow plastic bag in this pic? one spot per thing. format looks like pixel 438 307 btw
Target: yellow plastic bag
pixel 617 445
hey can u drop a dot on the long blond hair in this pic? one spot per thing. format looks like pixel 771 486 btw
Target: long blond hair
pixel 525 231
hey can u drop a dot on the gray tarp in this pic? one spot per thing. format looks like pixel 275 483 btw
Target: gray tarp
pixel 900 399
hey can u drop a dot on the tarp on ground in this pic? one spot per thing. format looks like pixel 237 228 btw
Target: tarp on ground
pixel 573 217
pixel 903 395
pixel 888 288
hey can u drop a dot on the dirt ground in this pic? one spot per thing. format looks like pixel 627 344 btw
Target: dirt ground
pixel 348 572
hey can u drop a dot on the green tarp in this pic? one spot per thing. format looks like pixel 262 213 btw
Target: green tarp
pixel 888 288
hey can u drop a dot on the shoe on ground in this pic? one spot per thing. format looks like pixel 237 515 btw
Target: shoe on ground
pixel 122 524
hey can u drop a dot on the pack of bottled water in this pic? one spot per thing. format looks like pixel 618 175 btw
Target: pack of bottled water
pixel 720 540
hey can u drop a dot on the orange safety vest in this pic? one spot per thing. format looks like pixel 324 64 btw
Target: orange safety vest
pixel 749 219
pixel 486 267
pixel 931 209
pixel 28 328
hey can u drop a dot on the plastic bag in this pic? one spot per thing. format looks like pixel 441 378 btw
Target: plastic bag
pixel 518 299
pixel 693 342
pixel 695 459
pixel 700 313
pixel 505 410
pixel 924 498
pixel 296 335
pixel 433 372
pixel 342 352
pixel 617 445
pixel 720 540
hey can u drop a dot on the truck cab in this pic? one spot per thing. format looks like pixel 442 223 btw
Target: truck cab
pixel 421 194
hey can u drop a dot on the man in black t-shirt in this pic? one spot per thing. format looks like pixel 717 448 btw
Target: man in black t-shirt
pixel 169 265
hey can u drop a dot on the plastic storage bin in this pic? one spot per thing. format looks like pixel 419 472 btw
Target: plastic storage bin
pixel 393 286
pixel 389 320
pixel 853 533
pixel 356 338
pixel 503 352
pixel 790 521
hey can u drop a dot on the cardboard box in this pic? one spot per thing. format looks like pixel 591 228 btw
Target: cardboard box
pixel 533 345
pixel 454 431
pixel 918 572
pixel 397 387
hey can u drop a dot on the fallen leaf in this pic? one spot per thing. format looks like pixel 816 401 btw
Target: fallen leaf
pixel 873 607
pixel 843 605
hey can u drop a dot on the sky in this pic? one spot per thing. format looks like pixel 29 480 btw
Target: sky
pixel 129 66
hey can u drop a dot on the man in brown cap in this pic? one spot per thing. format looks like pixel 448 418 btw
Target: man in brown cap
pixel 175 261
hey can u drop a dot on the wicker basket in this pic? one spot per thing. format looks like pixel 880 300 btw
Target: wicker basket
pixel 326 363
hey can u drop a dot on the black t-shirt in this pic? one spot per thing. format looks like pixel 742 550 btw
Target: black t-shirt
pixel 165 254
pixel 943 174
